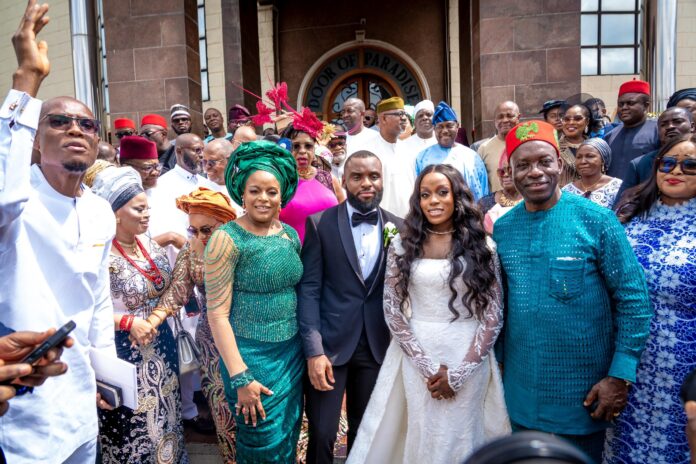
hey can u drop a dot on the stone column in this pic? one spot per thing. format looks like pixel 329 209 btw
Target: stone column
pixel 266 49
pixel 240 40
pixel 455 95
pixel 152 55
pixel 528 52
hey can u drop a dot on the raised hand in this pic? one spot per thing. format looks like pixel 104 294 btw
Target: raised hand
pixel 32 56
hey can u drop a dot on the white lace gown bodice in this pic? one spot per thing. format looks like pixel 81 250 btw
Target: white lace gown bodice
pixel 403 423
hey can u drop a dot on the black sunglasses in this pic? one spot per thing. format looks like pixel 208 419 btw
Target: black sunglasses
pixel 205 230
pixel 122 134
pixel 64 122
pixel 668 163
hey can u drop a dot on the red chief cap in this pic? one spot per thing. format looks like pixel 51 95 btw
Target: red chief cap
pixel 529 131
pixel 135 147
pixel 634 86
pixel 154 119
pixel 124 123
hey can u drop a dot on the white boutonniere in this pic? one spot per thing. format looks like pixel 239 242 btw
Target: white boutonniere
pixel 389 233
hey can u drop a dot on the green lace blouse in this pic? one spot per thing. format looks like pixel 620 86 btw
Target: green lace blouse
pixel 266 270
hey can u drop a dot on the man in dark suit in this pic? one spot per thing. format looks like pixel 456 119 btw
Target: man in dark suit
pixel 340 304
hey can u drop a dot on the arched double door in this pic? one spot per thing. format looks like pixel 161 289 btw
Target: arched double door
pixel 369 88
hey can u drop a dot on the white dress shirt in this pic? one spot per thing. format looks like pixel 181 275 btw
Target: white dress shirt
pixel 398 173
pixel 164 215
pixel 367 240
pixel 54 255
pixel 415 144
pixel 356 142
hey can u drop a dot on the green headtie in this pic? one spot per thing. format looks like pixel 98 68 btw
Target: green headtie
pixel 265 156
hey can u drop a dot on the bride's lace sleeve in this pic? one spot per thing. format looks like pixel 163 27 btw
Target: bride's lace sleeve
pixel 397 322
pixel 484 338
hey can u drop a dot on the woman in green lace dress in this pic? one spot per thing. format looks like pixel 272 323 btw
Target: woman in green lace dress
pixel 251 267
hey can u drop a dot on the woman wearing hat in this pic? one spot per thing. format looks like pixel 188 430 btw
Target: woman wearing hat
pixel 207 211
pixel 252 265
pixel 140 273
pixel 317 189
pixel 592 161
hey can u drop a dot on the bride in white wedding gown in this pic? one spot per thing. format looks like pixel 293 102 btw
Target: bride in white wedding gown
pixel 403 423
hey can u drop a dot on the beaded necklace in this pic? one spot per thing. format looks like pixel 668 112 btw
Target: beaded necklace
pixel 153 275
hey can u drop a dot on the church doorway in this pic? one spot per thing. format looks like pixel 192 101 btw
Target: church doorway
pixel 369 70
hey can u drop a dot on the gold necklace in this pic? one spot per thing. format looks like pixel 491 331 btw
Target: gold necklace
pixel 447 232
pixel 306 173
pixel 589 189
pixel 505 201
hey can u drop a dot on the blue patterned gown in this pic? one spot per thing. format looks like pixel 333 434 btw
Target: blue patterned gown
pixel 651 428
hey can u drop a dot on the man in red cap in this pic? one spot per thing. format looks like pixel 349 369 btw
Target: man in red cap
pixel 154 128
pixel 636 135
pixel 237 116
pixel 141 154
pixel 577 307
pixel 124 127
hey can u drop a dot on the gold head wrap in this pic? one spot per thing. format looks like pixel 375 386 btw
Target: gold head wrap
pixel 207 202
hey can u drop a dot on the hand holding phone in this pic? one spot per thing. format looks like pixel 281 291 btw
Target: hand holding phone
pixel 40 349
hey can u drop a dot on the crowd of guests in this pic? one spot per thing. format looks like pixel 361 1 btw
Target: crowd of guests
pixel 374 280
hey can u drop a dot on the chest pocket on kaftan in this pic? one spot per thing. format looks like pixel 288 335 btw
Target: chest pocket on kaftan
pixel 567 278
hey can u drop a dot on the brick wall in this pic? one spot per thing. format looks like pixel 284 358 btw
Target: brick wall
pixel 152 56
pixel 528 52
pixel 60 81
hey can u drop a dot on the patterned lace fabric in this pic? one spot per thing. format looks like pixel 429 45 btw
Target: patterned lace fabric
pixel 603 196
pixel 398 323
pixel 187 274
pixel 651 428
pixel 153 432
pixel 264 272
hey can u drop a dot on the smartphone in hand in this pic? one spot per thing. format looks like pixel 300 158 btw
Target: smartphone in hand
pixel 53 341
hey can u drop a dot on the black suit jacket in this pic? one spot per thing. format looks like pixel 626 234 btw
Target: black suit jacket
pixel 334 303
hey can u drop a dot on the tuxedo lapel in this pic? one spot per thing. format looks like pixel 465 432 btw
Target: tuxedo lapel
pixel 346 233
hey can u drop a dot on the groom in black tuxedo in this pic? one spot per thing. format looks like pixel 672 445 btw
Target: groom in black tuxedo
pixel 340 304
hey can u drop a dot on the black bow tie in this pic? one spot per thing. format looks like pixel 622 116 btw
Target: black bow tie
pixel 369 218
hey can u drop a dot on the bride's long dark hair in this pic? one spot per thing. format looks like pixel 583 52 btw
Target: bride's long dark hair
pixel 468 246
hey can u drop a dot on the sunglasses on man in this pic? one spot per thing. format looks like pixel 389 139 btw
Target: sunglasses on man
pixel 125 133
pixel 64 122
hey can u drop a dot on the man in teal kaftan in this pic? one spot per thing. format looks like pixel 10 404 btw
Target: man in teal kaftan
pixel 577 309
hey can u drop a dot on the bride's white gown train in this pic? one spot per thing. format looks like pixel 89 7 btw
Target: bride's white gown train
pixel 402 423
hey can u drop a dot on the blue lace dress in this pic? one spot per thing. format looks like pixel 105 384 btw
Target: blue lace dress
pixel 651 428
